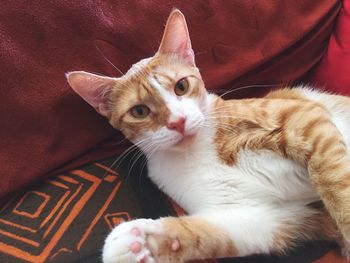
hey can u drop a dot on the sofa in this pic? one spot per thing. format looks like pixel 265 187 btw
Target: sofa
pixel 67 177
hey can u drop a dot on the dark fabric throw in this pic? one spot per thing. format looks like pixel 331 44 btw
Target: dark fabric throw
pixel 66 218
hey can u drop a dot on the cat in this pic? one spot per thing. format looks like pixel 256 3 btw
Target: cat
pixel 247 171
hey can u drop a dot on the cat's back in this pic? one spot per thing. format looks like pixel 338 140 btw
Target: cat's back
pixel 338 106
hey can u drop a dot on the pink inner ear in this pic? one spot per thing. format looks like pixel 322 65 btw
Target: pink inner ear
pixel 176 38
pixel 94 89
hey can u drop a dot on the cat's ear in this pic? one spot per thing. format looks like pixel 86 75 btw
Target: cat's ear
pixel 176 38
pixel 94 89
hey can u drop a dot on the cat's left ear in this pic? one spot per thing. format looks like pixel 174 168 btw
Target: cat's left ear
pixel 176 39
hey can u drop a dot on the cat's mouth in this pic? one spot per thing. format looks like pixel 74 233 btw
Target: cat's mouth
pixel 186 140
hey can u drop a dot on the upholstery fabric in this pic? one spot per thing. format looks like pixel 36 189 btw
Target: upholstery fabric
pixel 45 126
pixel 66 218
pixel 333 71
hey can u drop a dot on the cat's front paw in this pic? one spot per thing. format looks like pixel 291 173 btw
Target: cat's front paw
pixel 127 242
pixel 140 241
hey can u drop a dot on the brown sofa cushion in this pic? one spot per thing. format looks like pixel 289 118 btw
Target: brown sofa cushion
pixel 45 126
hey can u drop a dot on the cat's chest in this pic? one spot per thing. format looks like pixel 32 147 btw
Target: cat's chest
pixel 199 181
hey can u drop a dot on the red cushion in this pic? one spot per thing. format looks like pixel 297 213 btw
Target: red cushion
pixel 333 73
pixel 44 125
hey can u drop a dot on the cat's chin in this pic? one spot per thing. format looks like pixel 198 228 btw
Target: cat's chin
pixel 185 142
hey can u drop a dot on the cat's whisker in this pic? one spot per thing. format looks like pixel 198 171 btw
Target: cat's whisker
pixel 110 62
pixel 226 128
pixel 218 116
pixel 134 159
pixel 150 149
pixel 143 144
pixel 248 87
pixel 237 118
pixel 145 163
pixel 138 155
pixel 219 113
pixel 117 143
pixel 146 148
pixel 134 162
pixel 235 121
pixel 219 125
pixel 121 157
pixel 220 110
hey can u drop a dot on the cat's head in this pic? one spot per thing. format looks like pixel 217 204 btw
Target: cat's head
pixel 160 102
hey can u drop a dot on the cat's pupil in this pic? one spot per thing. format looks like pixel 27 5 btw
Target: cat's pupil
pixel 181 87
pixel 140 111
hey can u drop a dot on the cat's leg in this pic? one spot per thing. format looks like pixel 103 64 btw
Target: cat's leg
pixel 229 233
pixel 332 179
pixel 329 170
pixel 309 135
pixel 319 225
pixel 167 240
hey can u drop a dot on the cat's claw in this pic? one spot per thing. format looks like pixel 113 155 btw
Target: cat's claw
pixel 127 243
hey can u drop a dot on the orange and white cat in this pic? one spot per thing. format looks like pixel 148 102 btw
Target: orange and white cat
pixel 246 171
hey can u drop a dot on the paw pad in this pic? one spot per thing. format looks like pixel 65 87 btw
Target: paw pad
pixel 136 247
pixel 175 246
pixel 136 232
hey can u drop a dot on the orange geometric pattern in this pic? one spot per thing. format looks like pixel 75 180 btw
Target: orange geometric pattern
pixel 115 219
pixel 20 208
pixel 32 224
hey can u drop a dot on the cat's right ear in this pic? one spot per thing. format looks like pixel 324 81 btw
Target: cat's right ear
pixel 94 89
pixel 176 39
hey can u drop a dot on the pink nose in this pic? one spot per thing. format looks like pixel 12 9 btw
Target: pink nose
pixel 178 125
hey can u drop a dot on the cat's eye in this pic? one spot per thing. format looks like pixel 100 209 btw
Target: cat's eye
pixel 140 111
pixel 181 87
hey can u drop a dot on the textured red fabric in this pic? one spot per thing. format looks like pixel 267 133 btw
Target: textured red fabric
pixel 333 73
pixel 45 126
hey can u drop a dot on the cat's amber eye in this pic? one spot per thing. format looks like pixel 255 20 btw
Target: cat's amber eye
pixel 181 87
pixel 140 111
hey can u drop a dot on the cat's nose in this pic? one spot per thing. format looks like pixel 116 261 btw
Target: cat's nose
pixel 178 124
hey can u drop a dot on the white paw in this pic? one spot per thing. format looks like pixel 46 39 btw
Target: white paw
pixel 127 242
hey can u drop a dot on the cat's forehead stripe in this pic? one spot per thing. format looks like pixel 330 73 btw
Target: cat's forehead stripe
pixel 171 103
pixel 158 87
pixel 164 77
pixel 146 88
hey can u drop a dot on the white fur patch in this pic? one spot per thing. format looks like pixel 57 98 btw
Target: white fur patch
pixel 249 200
